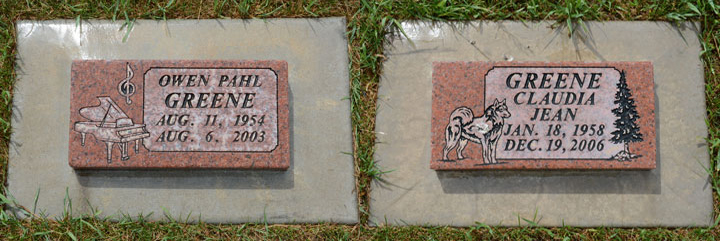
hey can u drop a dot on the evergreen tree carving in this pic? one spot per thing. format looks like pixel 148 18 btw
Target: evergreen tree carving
pixel 627 130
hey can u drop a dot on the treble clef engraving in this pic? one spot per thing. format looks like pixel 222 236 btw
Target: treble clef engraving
pixel 127 88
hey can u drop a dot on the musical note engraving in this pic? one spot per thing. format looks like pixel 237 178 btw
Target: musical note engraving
pixel 127 88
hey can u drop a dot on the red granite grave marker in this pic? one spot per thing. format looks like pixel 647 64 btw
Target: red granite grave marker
pixel 179 114
pixel 538 115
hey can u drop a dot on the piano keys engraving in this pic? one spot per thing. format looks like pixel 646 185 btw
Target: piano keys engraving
pixel 111 125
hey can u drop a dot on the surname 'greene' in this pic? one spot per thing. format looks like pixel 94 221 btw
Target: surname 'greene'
pixel 553 80
pixel 569 84
pixel 208 99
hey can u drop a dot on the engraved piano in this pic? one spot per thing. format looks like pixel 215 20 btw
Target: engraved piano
pixel 110 124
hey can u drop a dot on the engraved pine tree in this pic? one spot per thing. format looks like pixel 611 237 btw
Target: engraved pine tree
pixel 627 130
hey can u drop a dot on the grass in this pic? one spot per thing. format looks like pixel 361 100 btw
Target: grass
pixel 366 28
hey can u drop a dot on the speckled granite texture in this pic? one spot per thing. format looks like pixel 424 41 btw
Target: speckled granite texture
pixel 463 84
pixel 162 148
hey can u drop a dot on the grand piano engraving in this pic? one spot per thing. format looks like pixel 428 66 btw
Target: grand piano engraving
pixel 111 125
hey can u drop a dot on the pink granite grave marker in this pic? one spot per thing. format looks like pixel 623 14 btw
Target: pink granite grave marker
pixel 179 114
pixel 536 115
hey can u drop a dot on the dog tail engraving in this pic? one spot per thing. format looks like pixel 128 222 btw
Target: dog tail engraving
pixel 458 119
pixel 484 130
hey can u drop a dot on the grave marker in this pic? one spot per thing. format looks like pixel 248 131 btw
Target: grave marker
pixel 505 115
pixel 77 75
pixel 434 69
pixel 179 114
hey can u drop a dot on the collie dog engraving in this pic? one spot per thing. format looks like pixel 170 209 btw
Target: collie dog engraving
pixel 484 130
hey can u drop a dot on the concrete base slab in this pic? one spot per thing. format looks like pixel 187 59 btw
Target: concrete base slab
pixel 318 186
pixel 676 193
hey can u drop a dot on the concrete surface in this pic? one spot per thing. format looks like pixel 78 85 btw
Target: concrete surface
pixel 318 186
pixel 676 193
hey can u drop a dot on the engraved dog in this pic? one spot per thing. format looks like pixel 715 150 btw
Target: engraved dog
pixel 484 130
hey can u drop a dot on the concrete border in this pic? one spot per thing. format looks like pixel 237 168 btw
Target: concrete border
pixel 676 193
pixel 318 186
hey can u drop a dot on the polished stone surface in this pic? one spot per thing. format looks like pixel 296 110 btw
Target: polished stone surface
pixel 542 115
pixel 179 114
pixel 675 193
pixel 317 187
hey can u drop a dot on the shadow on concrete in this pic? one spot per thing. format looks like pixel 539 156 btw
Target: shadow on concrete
pixel 551 182
pixel 187 179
